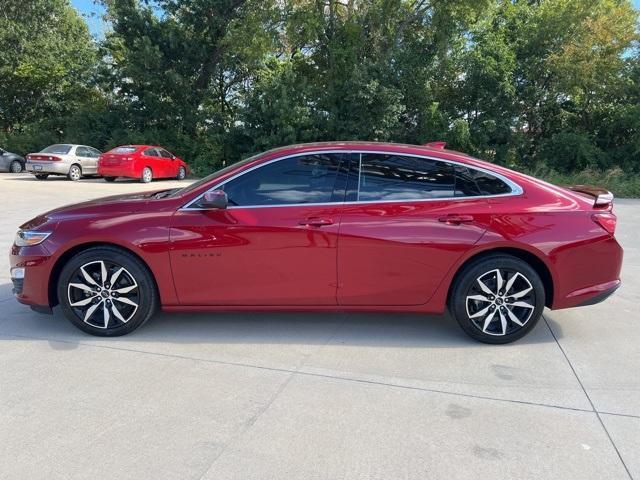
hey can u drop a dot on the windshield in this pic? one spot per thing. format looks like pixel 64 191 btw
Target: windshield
pixel 59 149
pixel 208 178
pixel 123 150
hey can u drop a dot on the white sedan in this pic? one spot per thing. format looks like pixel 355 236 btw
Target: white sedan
pixel 73 161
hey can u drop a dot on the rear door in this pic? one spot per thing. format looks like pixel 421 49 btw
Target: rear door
pixel 274 245
pixel 82 157
pixel 404 230
pixel 151 158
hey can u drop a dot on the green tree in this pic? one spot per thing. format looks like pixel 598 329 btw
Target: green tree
pixel 46 62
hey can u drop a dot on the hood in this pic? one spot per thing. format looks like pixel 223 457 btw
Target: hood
pixel 116 204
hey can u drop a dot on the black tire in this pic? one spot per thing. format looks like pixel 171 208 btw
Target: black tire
pixel 42 176
pixel 110 179
pixel 16 167
pixel 465 299
pixel 75 173
pixel 182 173
pixel 147 175
pixel 134 281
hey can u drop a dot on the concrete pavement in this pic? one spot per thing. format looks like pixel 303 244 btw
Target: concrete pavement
pixel 322 396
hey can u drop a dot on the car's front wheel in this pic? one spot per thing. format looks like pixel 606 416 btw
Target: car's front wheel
pixel 497 299
pixel 106 291
pixel 182 173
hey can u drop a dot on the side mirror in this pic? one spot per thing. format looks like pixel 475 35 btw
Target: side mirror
pixel 214 199
pixel 2 151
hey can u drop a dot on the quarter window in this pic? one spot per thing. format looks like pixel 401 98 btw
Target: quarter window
pixel 471 182
pixel 396 177
pixel 304 179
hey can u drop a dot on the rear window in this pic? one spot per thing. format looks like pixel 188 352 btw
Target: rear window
pixel 123 150
pixel 59 149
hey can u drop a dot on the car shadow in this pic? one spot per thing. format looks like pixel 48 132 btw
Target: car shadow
pixel 304 328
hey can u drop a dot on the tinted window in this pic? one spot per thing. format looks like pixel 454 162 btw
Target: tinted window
pixel 123 150
pixel 164 153
pixel 394 177
pixel 95 153
pixel 151 152
pixel 470 182
pixel 303 179
pixel 490 185
pixel 59 149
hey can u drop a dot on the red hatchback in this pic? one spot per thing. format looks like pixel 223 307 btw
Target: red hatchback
pixel 329 226
pixel 144 162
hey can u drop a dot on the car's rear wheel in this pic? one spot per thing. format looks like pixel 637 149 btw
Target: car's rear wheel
pixel 497 299
pixel 42 176
pixel 182 173
pixel 106 291
pixel 15 167
pixel 110 179
pixel 147 175
pixel 75 173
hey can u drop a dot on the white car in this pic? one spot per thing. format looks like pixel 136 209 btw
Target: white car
pixel 73 161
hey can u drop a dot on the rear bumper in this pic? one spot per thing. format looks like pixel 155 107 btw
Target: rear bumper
pixel 587 273
pixel 116 171
pixel 599 293
pixel 55 168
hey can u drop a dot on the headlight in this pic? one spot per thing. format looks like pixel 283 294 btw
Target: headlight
pixel 27 238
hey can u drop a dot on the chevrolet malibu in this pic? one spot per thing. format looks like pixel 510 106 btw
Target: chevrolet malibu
pixel 328 227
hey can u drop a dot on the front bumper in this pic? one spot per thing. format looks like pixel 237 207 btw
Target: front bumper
pixel 37 262
pixel 55 168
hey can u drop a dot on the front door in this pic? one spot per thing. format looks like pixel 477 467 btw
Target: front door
pixel 404 231
pixel 274 245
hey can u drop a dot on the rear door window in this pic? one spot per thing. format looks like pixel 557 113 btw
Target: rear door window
pixel 151 152
pixel 389 177
pixel 83 152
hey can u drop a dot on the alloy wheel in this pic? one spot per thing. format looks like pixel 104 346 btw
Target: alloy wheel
pixel 500 301
pixel 147 175
pixel 103 294
pixel 75 173
pixel 16 167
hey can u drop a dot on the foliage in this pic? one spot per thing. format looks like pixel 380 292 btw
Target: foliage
pixel 550 86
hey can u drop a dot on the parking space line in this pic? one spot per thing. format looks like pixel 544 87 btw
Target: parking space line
pixel 615 447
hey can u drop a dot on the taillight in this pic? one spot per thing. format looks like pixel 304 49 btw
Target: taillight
pixel 50 158
pixel 606 220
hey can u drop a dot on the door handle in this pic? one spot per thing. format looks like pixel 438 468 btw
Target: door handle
pixel 316 222
pixel 453 219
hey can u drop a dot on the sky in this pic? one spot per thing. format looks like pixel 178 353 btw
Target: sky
pixel 93 11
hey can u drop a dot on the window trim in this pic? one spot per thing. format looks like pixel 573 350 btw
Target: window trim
pixel 515 188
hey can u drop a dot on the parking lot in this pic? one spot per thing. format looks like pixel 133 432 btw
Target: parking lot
pixel 314 396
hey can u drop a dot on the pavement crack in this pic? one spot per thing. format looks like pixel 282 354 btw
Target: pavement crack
pixel 593 408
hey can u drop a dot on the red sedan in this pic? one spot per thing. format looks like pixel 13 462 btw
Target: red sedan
pixel 324 227
pixel 144 162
